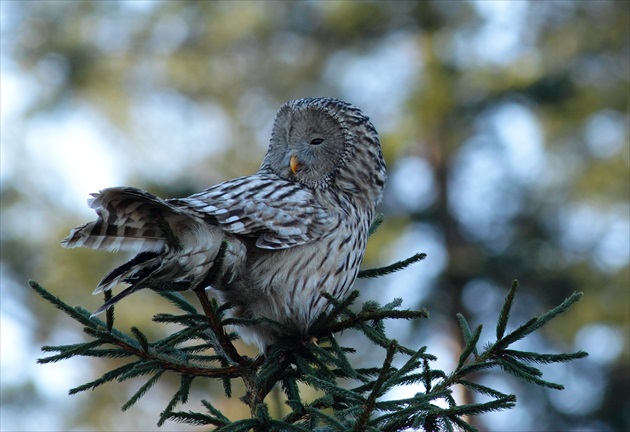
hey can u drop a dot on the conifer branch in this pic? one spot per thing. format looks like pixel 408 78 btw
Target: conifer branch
pixel 210 310
pixel 210 353
pixel 369 404
pixel 504 315
pixel 383 271
pixel 538 322
pixel 109 313
pixel 378 220
pixel 142 390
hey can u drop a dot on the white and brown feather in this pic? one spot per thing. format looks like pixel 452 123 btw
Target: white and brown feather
pixel 290 235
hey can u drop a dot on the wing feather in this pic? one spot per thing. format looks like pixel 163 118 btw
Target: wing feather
pixel 279 213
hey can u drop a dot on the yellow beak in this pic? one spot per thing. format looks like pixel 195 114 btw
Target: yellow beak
pixel 295 164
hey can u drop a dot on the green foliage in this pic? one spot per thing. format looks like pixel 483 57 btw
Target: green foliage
pixel 383 271
pixel 202 349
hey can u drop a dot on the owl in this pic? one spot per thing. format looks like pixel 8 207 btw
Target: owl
pixel 292 231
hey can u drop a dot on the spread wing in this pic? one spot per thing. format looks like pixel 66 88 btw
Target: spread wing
pixel 279 213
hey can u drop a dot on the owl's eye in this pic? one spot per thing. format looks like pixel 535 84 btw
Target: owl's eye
pixel 317 141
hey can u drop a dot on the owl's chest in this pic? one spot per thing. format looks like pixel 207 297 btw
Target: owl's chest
pixel 329 264
pixel 286 285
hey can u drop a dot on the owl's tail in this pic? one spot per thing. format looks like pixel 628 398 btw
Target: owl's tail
pixel 128 219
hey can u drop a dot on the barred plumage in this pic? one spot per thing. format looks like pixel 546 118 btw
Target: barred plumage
pixel 293 230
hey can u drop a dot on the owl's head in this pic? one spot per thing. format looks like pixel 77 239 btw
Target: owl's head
pixel 327 143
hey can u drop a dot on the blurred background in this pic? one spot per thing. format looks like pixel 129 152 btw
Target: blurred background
pixel 504 125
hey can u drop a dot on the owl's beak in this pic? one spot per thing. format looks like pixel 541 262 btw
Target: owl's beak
pixel 295 164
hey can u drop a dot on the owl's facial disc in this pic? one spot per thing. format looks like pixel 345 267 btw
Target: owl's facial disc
pixel 308 145
pixel 315 144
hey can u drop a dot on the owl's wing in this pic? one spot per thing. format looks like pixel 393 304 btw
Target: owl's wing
pixel 279 213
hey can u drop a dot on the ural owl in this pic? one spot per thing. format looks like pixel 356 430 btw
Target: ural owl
pixel 295 229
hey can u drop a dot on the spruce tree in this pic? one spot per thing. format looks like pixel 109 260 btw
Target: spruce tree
pixel 352 397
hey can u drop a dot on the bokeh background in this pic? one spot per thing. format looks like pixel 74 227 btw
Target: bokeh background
pixel 504 125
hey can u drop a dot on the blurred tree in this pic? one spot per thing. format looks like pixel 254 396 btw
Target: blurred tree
pixel 504 125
